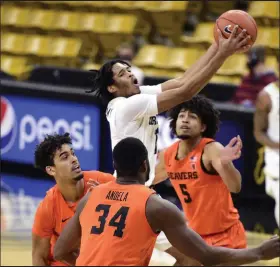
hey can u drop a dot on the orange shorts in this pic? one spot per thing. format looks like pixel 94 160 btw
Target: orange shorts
pixel 234 237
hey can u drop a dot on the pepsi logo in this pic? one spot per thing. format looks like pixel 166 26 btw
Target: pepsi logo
pixel 8 125
pixel 227 29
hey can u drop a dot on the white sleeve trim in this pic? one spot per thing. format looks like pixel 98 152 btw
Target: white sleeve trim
pixel 151 89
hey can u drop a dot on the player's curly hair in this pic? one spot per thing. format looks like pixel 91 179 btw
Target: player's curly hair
pixel 204 109
pixel 103 78
pixel 45 151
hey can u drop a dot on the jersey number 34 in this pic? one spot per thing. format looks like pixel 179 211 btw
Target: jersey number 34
pixel 118 220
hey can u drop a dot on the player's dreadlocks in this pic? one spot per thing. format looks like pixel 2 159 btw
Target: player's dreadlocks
pixel 45 151
pixel 204 109
pixel 104 78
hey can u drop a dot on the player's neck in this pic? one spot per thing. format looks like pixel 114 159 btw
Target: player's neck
pixel 187 145
pixel 127 180
pixel 71 192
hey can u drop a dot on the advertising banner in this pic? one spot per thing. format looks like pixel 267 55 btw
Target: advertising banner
pixel 26 120
pixel 20 197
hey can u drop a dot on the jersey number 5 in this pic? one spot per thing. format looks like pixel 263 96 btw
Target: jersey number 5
pixel 118 220
pixel 184 191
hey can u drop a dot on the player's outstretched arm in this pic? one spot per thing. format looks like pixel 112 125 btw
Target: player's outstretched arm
pixel 68 244
pixel 142 104
pixel 221 158
pixel 165 216
pixel 263 107
pixel 201 62
pixel 227 47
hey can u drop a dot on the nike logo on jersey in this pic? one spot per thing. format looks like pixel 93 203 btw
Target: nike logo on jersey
pixel 64 220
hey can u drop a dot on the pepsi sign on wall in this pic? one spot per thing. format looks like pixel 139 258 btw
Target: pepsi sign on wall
pixel 20 197
pixel 25 121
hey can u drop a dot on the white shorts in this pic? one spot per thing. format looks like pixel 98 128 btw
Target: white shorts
pixel 160 258
pixel 272 187
pixel 162 243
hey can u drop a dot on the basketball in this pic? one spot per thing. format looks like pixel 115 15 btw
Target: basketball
pixel 229 19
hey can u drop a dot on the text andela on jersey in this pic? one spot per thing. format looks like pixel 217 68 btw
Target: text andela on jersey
pixel 117 195
pixel 182 175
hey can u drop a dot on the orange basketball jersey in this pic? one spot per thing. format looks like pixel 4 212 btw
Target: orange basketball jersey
pixel 54 212
pixel 115 231
pixel 205 199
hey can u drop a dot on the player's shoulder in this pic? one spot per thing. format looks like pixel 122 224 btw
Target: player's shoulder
pixel 51 193
pixel 146 190
pixel 169 150
pixel 271 88
pixel 91 174
pixel 101 177
pixel 115 102
pixel 211 146
pixel 207 141
pixel 156 206
pixel 47 204
pixel 264 99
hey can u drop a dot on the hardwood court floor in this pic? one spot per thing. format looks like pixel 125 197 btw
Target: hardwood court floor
pixel 18 253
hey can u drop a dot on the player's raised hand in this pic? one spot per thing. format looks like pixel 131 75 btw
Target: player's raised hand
pixel 237 42
pixel 270 249
pixel 91 184
pixel 232 151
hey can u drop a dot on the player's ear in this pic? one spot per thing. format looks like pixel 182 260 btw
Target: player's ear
pixel 112 89
pixel 144 166
pixel 203 128
pixel 50 170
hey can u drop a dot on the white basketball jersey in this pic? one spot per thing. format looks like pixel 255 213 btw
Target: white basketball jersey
pixel 135 116
pixel 272 155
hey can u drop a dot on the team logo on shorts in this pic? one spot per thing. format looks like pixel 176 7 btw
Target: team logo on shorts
pixel 8 125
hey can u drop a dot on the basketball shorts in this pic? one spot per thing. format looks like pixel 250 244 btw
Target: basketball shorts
pixel 162 243
pixel 234 237
pixel 272 189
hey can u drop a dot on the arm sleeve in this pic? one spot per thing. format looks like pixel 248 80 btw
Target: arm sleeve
pixel 151 89
pixel 43 223
pixel 136 107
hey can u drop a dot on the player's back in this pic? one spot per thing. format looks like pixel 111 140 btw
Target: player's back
pixel 115 231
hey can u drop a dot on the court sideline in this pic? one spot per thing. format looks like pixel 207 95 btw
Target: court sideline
pixel 18 252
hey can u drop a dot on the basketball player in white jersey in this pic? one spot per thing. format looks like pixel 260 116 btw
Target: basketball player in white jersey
pixel 266 131
pixel 132 109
